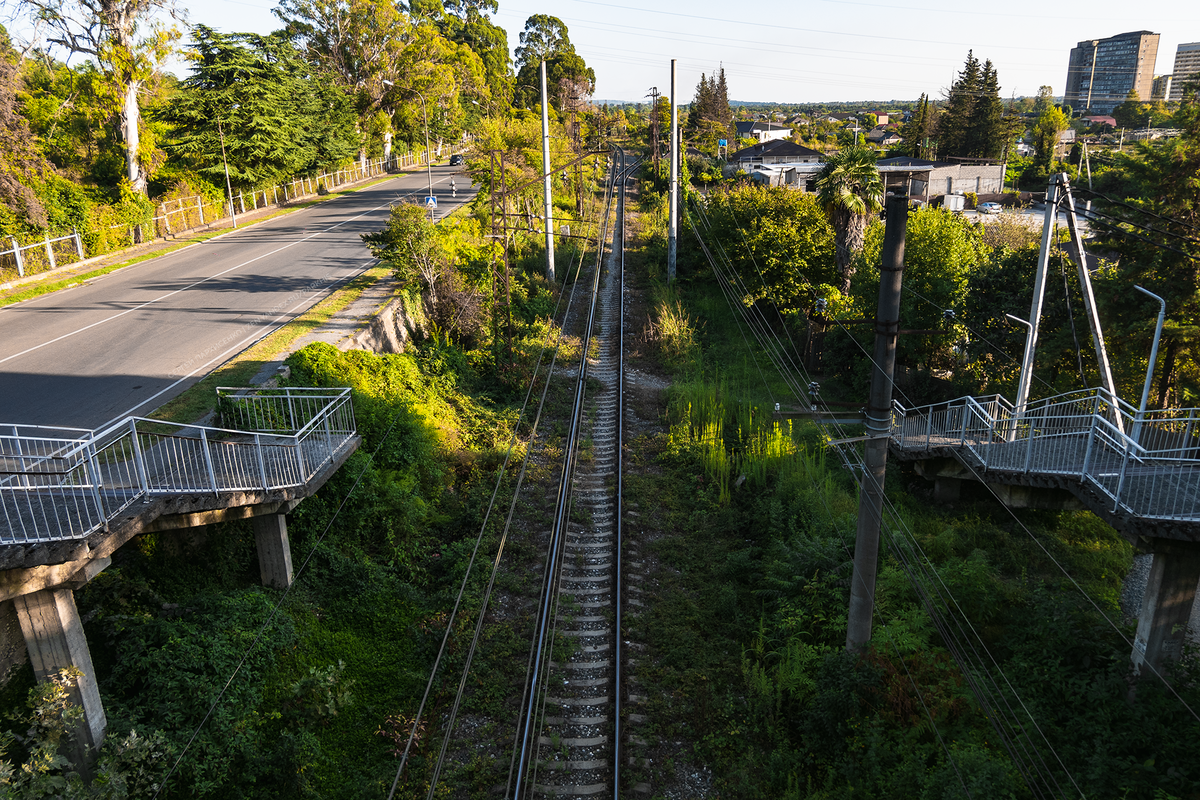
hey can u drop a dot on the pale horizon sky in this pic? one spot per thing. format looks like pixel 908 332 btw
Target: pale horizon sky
pixel 816 51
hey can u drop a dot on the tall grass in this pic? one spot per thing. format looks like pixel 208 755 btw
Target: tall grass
pixel 737 440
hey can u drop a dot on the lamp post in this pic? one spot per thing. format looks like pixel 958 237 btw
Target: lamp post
pixel 428 160
pixel 228 185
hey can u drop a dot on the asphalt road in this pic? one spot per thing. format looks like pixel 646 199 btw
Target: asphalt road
pixel 128 341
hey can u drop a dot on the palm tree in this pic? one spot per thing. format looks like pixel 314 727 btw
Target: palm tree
pixel 849 190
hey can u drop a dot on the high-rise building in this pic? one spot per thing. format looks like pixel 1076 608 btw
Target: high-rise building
pixel 1103 71
pixel 1187 68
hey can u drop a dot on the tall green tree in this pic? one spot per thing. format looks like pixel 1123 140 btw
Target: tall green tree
pixel 129 41
pixel 973 124
pixel 1050 124
pixel 257 94
pixel 918 134
pixel 709 117
pixel 1132 112
pixel 959 109
pixel 1156 239
pixel 849 190
pixel 545 38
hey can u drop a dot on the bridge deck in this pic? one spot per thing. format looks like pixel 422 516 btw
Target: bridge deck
pixel 1147 469
pixel 61 489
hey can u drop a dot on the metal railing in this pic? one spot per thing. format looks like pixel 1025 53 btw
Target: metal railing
pixel 184 214
pixel 59 484
pixel 39 256
pixel 1148 464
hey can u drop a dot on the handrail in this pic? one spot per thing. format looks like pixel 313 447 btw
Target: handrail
pixel 102 473
pixel 1074 434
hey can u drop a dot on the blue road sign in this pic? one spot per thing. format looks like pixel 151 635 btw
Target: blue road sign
pixel 722 142
pixel 431 201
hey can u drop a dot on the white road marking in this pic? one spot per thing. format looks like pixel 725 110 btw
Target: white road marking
pixel 246 342
pixel 189 286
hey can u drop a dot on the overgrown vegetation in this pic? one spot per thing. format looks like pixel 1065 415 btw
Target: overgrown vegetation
pixel 752 522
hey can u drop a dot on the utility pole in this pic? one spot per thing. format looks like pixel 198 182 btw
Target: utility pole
pixel 673 219
pixel 547 171
pixel 879 424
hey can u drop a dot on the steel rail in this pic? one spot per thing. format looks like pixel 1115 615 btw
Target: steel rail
pixel 558 531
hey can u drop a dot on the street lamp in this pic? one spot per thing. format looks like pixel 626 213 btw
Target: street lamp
pixel 228 185
pixel 428 160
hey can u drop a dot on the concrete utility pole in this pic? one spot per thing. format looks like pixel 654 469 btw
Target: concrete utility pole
pixel 879 424
pixel 546 170
pixel 673 219
pixel 1039 292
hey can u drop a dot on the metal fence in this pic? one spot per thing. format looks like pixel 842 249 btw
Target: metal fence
pixel 60 484
pixel 182 214
pixel 1148 464
pixel 40 256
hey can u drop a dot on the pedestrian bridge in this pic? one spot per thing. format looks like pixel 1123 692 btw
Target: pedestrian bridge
pixel 71 498
pixel 1141 472
pixel 62 484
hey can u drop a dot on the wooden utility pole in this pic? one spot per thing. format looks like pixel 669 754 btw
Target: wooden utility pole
pixel 879 424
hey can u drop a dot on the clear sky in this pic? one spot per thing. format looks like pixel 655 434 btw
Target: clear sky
pixel 814 50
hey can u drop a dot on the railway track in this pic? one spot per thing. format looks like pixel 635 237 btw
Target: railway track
pixel 572 730
pixel 572 727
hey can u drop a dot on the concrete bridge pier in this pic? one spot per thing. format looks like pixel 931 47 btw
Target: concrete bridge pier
pixel 54 640
pixel 1167 604
pixel 274 552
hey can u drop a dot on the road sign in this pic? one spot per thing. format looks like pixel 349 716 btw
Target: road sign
pixel 722 142
pixel 431 201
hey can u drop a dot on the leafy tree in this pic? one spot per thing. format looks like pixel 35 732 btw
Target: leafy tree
pixel 357 42
pixel 1159 252
pixel 20 162
pixel 255 93
pixel 467 22
pixel 545 38
pixel 110 31
pixel 1131 113
pixel 849 190
pixel 709 117
pixel 1050 124
pixel 779 240
pixel 1044 100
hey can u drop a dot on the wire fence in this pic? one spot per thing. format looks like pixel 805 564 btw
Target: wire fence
pixel 175 216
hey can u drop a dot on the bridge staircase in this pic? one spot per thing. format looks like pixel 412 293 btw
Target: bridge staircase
pixel 1138 471
pixel 70 498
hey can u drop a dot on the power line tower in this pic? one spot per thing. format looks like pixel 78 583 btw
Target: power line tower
pixel 654 95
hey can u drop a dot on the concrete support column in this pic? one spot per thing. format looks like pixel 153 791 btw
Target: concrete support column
pixel 54 638
pixel 274 553
pixel 1167 604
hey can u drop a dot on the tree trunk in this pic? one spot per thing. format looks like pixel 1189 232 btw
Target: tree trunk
pixel 849 230
pixel 130 114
